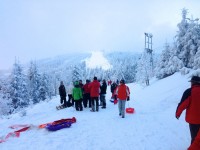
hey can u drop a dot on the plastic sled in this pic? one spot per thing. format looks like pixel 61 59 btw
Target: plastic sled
pixel 130 110
pixel 56 127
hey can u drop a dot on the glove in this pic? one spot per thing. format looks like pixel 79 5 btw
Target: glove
pixel 177 117
pixel 115 101
pixel 128 98
pixel 115 96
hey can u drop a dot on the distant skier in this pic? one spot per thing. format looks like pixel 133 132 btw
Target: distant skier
pixel 122 93
pixel 62 93
pixel 191 102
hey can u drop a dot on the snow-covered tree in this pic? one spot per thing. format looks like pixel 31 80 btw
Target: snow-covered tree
pixel 34 82
pixel 184 53
pixel 197 59
pixel 76 74
pixel 123 66
pixel 5 101
pixel 161 68
pixel 44 88
pixel 129 70
pixel 145 68
pixel 18 88
pixel 187 40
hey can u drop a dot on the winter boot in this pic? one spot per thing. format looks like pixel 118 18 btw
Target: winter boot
pixel 97 108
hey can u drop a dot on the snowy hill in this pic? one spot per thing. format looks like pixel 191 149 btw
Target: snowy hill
pixel 152 127
pixel 97 60
pixel 61 62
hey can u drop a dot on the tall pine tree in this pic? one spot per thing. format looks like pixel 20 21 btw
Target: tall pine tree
pixel 18 88
pixel 34 82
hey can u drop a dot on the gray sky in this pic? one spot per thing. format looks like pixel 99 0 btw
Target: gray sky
pixel 35 29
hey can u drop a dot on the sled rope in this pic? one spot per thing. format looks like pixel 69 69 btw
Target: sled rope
pixel 15 133
pixel 52 126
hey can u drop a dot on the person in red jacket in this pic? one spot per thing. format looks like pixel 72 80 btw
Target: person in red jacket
pixel 86 94
pixel 94 94
pixel 196 144
pixel 122 93
pixel 191 102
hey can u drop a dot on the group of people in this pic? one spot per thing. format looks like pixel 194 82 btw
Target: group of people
pixel 85 95
pixel 88 95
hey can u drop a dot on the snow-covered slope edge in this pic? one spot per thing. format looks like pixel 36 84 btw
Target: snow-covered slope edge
pixel 152 127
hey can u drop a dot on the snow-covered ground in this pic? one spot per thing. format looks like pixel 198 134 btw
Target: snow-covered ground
pixel 152 127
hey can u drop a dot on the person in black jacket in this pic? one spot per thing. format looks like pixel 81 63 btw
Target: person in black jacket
pixel 113 86
pixel 62 93
pixel 103 94
pixel 112 89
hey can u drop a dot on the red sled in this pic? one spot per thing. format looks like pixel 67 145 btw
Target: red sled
pixel 130 110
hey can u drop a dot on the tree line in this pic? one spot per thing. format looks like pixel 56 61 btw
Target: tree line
pixel 40 81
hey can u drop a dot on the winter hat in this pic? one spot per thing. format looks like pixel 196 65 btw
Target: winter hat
pixel 195 79
pixel 76 83
pixel 95 78
pixel 122 81
pixel 87 81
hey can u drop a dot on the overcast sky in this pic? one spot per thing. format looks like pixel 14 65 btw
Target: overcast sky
pixel 35 29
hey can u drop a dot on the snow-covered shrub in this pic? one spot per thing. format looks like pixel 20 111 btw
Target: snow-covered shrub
pixel 4 108
pixel 184 71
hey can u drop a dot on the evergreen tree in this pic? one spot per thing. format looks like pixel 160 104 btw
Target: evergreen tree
pixel 44 89
pixel 18 88
pixel 184 53
pixel 161 68
pixel 5 101
pixel 128 69
pixel 144 68
pixel 76 74
pixel 34 82
pixel 187 40
pixel 197 59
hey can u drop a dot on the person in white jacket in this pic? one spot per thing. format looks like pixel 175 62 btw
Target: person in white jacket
pixel 69 92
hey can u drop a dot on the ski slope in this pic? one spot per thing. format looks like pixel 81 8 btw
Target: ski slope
pixel 152 127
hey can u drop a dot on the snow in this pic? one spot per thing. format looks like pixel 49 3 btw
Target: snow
pixel 152 127
pixel 97 60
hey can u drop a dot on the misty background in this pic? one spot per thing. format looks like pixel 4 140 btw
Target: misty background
pixel 31 30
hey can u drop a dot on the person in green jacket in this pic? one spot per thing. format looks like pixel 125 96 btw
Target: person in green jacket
pixel 77 96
